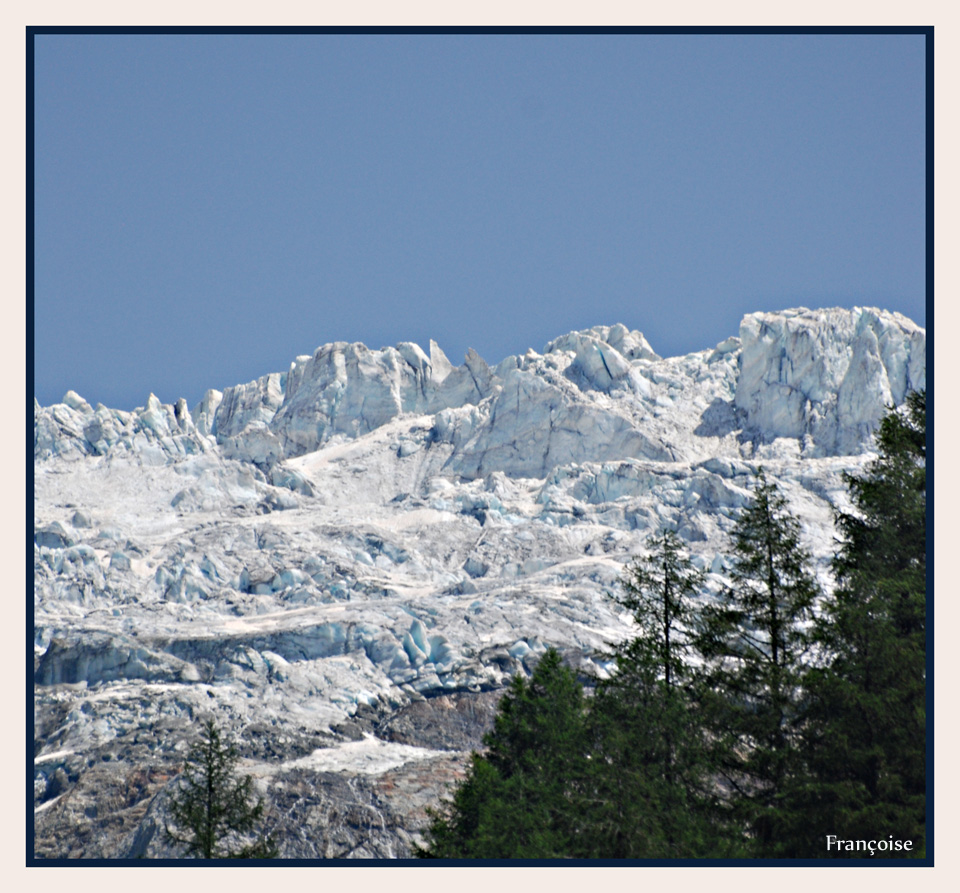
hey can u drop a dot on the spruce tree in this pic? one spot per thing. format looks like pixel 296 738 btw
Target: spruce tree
pixel 866 738
pixel 211 807
pixel 657 589
pixel 520 799
pixel 650 772
pixel 755 642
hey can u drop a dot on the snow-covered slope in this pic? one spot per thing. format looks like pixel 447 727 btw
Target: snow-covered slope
pixel 345 563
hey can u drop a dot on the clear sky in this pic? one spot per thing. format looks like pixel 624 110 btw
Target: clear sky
pixel 210 206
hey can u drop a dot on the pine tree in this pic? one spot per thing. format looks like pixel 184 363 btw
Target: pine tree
pixel 211 806
pixel 519 799
pixel 867 732
pixel 755 643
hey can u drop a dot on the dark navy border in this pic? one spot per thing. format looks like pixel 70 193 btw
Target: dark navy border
pixel 30 527
pixel 931 600
pixel 928 31
pixel 485 863
pixel 480 29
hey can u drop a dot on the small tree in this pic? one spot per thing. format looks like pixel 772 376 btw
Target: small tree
pixel 211 807
pixel 656 589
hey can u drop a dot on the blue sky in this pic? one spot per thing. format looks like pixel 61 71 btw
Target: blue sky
pixel 210 206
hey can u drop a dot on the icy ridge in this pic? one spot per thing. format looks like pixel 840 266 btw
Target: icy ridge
pixel 821 377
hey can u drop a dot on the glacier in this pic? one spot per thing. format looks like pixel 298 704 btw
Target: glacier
pixel 345 563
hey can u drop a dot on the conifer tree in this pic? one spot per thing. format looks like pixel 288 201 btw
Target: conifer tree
pixel 755 642
pixel 211 807
pixel 650 772
pixel 519 799
pixel 656 590
pixel 866 738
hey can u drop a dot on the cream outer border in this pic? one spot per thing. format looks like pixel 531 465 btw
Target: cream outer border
pixel 17 15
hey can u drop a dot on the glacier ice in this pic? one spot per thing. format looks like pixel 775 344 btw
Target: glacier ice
pixel 374 541
pixel 825 377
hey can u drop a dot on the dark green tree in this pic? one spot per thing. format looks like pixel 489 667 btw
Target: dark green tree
pixel 755 642
pixel 657 590
pixel 651 777
pixel 866 738
pixel 520 798
pixel 211 808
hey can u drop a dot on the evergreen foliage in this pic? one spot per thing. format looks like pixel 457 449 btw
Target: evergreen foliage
pixel 755 641
pixel 656 590
pixel 746 727
pixel 651 769
pixel 211 807
pixel 867 734
pixel 520 798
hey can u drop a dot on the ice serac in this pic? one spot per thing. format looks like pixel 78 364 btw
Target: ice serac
pixel 204 414
pixel 537 419
pixel 630 344
pixel 245 404
pixel 825 377
pixel 343 388
pixel 350 390
pixel 441 366
pixel 242 419
pixel 598 364
pixel 346 563
pixel 154 433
